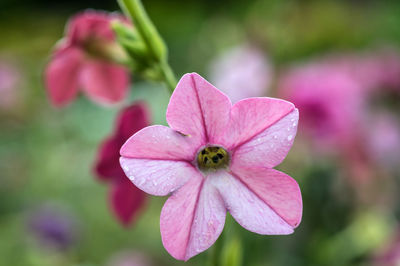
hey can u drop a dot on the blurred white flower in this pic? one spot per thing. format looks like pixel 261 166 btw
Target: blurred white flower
pixel 10 81
pixel 241 72
pixel 384 139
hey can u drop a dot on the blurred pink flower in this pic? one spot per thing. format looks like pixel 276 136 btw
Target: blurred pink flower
pixel 242 72
pixel 384 139
pixel 330 101
pixel 126 200
pixel 373 70
pixel 216 158
pixel 390 255
pixel 388 65
pixel 81 61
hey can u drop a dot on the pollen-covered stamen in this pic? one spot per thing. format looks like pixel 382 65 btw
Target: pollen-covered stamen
pixel 212 158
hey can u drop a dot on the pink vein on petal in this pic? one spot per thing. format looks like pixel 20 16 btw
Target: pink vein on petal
pixel 202 221
pixel 200 107
pixel 242 119
pixel 292 221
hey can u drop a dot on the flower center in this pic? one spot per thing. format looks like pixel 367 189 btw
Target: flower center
pixel 212 158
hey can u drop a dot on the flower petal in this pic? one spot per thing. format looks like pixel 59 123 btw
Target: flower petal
pixel 278 190
pixel 104 82
pixel 126 200
pixel 251 116
pixel 61 76
pixel 107 165
pixel 90 24
pixel 157 177
pixel 192 219
pixel 159 142
pixel 247 207
pixel 270 147
pixel 198 109
pixel 132 119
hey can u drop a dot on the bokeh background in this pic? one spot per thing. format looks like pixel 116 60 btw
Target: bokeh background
pixel 338 61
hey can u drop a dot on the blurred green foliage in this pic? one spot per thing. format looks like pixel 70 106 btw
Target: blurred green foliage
pixel 46 155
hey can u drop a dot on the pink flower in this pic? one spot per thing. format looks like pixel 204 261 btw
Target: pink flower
pixel 242 72
pixel 82 62
pixel 216 158
pixel 330 101
pixel 126 200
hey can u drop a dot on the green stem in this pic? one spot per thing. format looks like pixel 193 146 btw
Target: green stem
pixel 214 258
pixel 169 76
pixel 145 27
pixel 228 249
pixel 151 38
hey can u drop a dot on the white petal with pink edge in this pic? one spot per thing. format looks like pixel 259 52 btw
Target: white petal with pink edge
pixel 247 208
pixel 278 190
pixel 157 177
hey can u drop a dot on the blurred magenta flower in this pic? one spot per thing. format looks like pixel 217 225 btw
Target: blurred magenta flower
pixel 126 200
pixel 54 227
pixel 83 61
pixel 216 158
pixel 242 72
pixel 330 101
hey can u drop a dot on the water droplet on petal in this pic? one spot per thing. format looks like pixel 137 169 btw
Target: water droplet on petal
pixel 289 138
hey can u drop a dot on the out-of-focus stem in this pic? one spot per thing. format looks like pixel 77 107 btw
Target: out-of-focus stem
pixel 151 38
pixel 145 27
pixel 215 255
pixel 228 249
pixel 169 76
